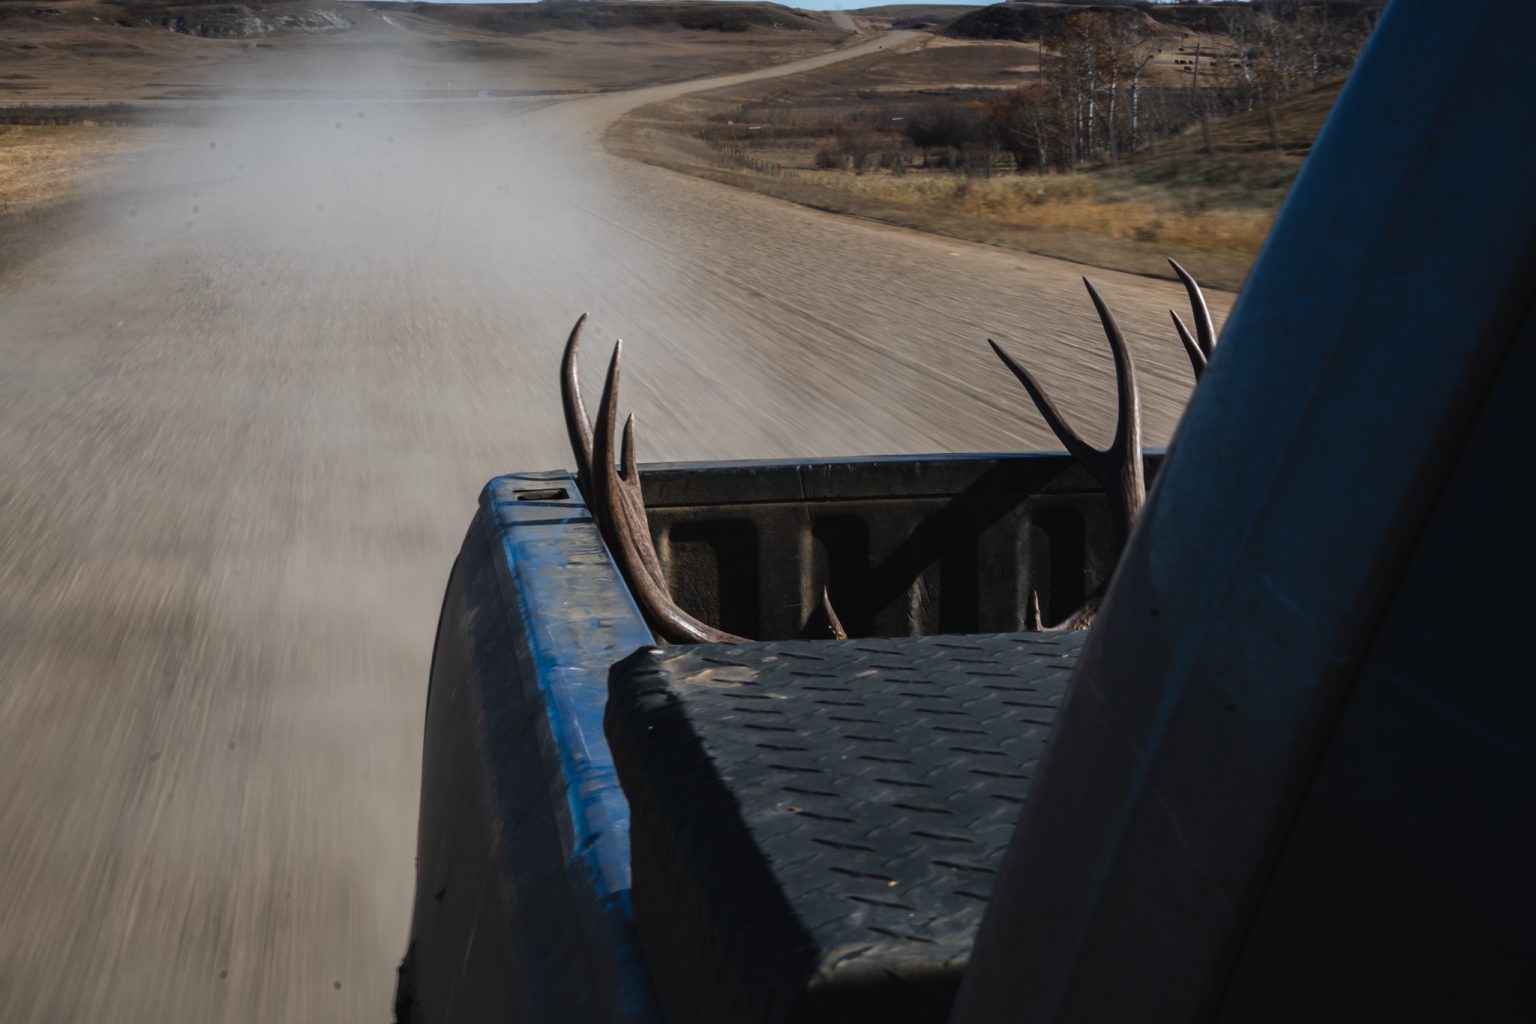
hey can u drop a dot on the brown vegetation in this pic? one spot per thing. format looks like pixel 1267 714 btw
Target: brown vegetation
pixel 37 163
pixel 1113 138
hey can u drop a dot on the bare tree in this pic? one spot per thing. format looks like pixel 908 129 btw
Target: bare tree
pixel 1125 46
pixel 1021 124
pixel 1092 99
pixel 1074 75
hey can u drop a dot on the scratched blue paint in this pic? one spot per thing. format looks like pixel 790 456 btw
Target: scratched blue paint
pixel 577 618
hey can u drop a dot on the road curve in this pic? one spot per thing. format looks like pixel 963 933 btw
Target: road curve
pixel 244 413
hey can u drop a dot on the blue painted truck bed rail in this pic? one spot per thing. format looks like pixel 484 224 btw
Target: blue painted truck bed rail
pixel 524 828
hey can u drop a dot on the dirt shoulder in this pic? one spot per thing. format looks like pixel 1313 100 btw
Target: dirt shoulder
pixel 45 170
pixel 39 164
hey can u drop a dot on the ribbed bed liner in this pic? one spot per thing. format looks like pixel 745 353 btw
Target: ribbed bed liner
pixel 816 825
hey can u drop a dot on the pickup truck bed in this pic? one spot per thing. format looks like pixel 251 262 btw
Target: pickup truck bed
pixel 523 906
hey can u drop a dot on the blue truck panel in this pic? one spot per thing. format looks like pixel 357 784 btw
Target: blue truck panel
pixel 522 909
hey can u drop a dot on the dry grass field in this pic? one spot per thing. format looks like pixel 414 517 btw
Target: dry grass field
pixel 1212 210
pixel 38 163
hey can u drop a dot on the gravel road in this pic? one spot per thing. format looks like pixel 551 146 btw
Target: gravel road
pixel 246 405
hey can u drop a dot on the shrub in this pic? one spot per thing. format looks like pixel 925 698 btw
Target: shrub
pixel 828 159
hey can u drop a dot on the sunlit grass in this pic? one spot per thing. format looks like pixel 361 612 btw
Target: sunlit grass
pixel 40 164
pixel 1075 202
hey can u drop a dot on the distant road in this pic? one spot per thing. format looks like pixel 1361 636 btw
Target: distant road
pixel 243 425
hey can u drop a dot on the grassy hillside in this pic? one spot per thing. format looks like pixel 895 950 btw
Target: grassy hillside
pixel 1213 210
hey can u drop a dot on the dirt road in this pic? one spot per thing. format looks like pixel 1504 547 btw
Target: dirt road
pixel 244 413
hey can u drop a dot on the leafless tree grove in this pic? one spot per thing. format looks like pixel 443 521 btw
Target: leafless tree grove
pixel 1092 102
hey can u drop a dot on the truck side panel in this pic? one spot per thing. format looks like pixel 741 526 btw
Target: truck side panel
pixel 522 902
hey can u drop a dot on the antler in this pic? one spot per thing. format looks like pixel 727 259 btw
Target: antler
pixel 834 624
pixel 634 505
pixel 618 505
pixel 1118 468
pixel 577 426
pixel 622 510
pixel 1199 350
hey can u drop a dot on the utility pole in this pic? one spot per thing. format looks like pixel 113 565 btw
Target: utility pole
pixel 1205 114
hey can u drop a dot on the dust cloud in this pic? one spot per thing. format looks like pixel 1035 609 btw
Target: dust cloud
pixel 383 183
pixel 247 402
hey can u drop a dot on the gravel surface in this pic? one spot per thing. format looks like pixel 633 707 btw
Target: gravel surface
pixel 245 409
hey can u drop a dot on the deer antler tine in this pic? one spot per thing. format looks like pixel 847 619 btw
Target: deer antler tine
pixel 1128 396
pixel 1118 468
pixel 1204 327
pixel 1053 418
pixel 629 472
pixel 577 426
pixel 671 621
pixel 834 624
pixel 1197 358
pixel 1084 616
pixel 634 504
pixel 1123 478
pixel 607 508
